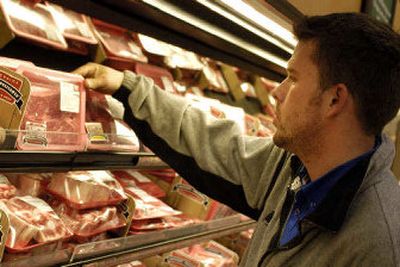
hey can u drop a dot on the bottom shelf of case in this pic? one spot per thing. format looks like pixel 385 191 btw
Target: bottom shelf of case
pixel 119 250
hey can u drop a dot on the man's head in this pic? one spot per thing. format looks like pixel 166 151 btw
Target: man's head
pixel 351 53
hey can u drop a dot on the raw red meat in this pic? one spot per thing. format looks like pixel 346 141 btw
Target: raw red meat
pixel 134 178
pixel 32 222
pixel 90 222
pixel 7 190
pixel 147 206
pixel 46 125
pixel 86 189
pixel 161 223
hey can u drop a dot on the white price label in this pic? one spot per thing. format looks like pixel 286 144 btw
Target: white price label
pixel 69 97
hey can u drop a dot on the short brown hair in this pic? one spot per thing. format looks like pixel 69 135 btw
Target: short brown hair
pixel 362 53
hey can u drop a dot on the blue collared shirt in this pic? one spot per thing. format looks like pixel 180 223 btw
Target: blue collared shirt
pixel 311 194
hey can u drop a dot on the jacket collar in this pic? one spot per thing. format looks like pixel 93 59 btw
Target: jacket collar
pixel 332 211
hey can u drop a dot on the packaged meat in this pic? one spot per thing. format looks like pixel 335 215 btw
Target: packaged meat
pixel 32 184
pixel 155 50
pixel 13 63
pixel 161 223
pixel 86 189
pixel 130 178
pixel 147 206
pixel 120 49
pixel 161 77
pixel 209 254
pixel 211 77
pixel 105 127
pixel 33 22
pixel 14 94
pixel 74 27
pixel 32 223
pixel 7 190
pixel 132 264
pixel 55 113
pixel 89 222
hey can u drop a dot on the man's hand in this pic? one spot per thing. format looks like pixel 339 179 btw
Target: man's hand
pixel 101 78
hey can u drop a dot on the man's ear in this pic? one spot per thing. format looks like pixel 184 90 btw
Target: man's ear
pixel 338 97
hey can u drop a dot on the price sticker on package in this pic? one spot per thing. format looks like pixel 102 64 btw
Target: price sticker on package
pixel 69 97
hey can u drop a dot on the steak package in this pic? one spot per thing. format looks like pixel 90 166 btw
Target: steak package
pixel 210 254
pixel 75 28
pixel 104 124
pixel 32 22
pixel 86 189
pixel 32 184
pixel 55 113
pixel 119 49
pixel 13 63
pixel 161 77
pixel 89 222
pixel 131 264
pixel 155 50
pixel 14 93
pixel 147 206
pixel 7 190
pixel 32 223
pixel 130 178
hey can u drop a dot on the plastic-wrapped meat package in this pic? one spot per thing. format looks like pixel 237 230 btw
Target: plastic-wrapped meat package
pixel 131 264
pixel 161 77
pixel 86 189
pixel 32 223
pixel 161 223
pixel 104 124
pixel 210 254
pixel 197 256
pixel 33 22
pixel 74 27
pixel 89 222
pixel 7 190
pixel 55 113
pixel 32 184
pixel 13 63
pixel 147 206
pixel 131 178
pixel 118 43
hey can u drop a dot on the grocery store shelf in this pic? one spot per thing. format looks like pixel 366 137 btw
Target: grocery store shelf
pixel 242 48
pixel 119 250
pixel 49 161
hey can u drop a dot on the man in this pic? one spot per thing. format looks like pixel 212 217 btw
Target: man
pixel 322 191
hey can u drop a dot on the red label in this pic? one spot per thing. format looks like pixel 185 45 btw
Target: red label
pixel 10 90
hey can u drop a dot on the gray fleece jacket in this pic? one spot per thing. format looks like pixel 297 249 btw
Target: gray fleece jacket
pixel 357 224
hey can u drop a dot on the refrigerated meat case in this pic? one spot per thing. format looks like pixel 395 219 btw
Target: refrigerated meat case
pixel 142 17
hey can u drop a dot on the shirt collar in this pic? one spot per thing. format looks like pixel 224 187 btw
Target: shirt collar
pixel 335 190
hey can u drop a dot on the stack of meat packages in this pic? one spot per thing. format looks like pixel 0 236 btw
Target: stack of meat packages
pixel 151 213
pixel 33 223
pixel 47 208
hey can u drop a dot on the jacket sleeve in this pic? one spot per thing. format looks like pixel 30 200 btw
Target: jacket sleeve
pixel 212 154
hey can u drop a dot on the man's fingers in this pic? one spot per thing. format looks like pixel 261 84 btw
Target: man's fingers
pixel 94 83
pixel 87 70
